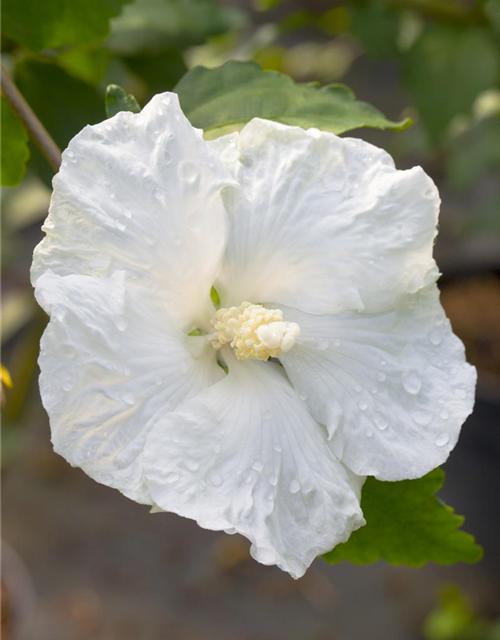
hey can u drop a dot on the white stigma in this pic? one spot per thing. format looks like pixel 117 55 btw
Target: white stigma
pixel 253 331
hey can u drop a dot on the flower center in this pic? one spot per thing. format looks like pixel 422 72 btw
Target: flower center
pixel 253 331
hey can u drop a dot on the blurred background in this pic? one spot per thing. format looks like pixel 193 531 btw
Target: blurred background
pixel 80 561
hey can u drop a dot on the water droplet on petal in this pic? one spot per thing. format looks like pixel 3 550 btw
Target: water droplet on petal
pixel 128 398
pixel 188 171
pixel 257 465
pixel 423 418
pixel 277 448
pixel 216 479
pixel 363 406
pixel 192 465
pixel 380 421
pixel 195 220
pixel 273 479
pixel 171 477
pixel 160 193
pixel 381 377
pixel 67 386
pixel 336 343
pixel 411 383
pixel 442 440
pixel 127 213
pixel 121 324
pixel 248 479
pixel 120 226
pixel 435 337
pixel 322 344
pixel 369 433
pixel 303 396
pixel 444 415
pixel 294 486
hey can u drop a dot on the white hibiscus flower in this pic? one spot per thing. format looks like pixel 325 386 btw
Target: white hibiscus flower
pixel 321 252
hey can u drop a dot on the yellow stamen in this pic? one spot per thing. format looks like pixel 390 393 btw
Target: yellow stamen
pixel 253 331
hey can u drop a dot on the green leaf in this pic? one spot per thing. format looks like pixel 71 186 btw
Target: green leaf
pixel 474 153
pixel 85 64
pixel 117 99
pixel 48 24
pixel 445 70
pixel 72 105
pixel 225 98
pixel 376 25
pixel 154 25
pixel 407 524
pixel 15 151
pixel 160 71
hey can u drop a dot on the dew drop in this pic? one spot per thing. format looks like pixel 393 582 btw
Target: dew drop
pixel 277 448
pixel 126 371
pixel 411 383
pixel 273 479
pixel 369 433
pixel 322 344
pixel 128 398
pixel 435 337
pixel 444 415
pixel 188 171
pixel 121 324
pixel 383 363
pixel 216 479
pixel 120 226
pixel 303 396
pixel 171 477
pixel 380 422
pixel 381 377
pixel 270 497
pixel 357 388
pixel 175 439
pixel 423 418
pixel 294 486
pixel 257 465
pixel 67 386
pixel 158 381
pixel 127 213
pixel 160 193
pixel 192 465
pixel 248 479
pixel 363 406
pixel 442 440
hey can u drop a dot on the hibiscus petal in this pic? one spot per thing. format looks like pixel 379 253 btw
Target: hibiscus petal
pixel 141 193
pixel 393 389
pixel 322 223
pixel 246 456
pixel 112 364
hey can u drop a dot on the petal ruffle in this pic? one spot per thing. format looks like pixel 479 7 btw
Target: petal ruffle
pixel 112 364
pixel 393 389
pixel 322 223
pixel 245 456
pixel 141 193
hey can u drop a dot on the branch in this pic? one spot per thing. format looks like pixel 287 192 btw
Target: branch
pixel 39 134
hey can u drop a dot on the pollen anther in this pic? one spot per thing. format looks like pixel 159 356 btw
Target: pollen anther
pixel 253 331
